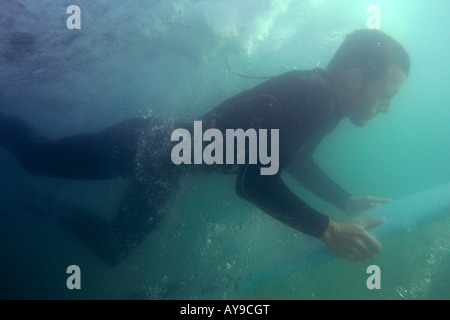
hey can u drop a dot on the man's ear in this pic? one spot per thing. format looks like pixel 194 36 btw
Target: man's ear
pixel 353 79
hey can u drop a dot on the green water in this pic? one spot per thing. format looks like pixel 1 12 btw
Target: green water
pixel 210 240
pixel 413 266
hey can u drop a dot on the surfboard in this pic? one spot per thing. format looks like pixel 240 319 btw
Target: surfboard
pixel 401 216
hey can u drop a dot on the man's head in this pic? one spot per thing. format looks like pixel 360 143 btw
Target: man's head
pixel 369 69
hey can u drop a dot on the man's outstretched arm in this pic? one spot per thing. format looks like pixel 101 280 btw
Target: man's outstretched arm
pixel 306 171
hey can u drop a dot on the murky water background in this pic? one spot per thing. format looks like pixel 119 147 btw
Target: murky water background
pixel 167 59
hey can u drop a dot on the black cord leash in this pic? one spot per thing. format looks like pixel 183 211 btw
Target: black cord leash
pixel 243 75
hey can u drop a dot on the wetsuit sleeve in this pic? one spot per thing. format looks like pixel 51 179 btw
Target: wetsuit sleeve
pixel 309 174
pixel 269 193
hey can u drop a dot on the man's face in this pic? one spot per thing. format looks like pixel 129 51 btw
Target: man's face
pixel 376 97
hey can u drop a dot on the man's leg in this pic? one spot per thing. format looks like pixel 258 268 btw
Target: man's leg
pixel 106 154
pixel 138 214
pixel 93 156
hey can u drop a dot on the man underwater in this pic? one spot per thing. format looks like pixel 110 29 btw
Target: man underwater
pixel 360 81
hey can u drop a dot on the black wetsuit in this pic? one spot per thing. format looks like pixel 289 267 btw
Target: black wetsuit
pixel 300 104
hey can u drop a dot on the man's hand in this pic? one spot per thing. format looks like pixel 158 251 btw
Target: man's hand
pixel 355 205
pixel 351 241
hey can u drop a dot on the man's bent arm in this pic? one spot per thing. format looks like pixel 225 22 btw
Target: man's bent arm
pixel 269 193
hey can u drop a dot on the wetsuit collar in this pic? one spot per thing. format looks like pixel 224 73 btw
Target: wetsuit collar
pixel 335 109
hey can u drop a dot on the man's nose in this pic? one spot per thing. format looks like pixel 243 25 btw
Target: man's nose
pixel 385 107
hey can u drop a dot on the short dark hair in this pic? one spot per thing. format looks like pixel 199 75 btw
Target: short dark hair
pixel 370 50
